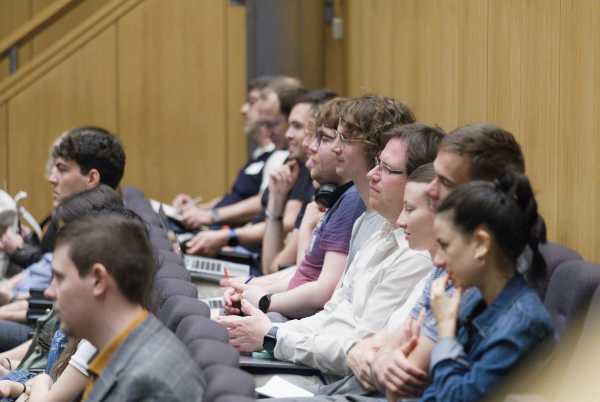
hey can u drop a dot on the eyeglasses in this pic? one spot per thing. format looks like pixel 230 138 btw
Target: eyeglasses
pixel 344 139
pixel 382 167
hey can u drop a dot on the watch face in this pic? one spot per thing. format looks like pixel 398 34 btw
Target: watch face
pixel 270 339
pixel 269 343
pixel 264 303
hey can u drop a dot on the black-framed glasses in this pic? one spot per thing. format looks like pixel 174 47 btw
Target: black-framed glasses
pixel 383 167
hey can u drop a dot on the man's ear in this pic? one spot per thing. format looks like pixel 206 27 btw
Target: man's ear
pixel 100 278
pixel 93 178
pixel 483 243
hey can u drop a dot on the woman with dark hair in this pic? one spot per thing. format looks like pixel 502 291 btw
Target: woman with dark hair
pixel 495 317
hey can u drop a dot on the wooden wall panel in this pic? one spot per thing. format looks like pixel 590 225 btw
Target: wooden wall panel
pixel 334 56
pixel 13 13
pixel 406 66
pixel 358 38
pixel 81 90
pixel 504 63
pixel 78 12
pixel 236 90
pixel 472 58
pixel 579 125
pixel 311 30
pixel 436 44
pixel 427 53
pixel 3 147
pixel 172 99
pixel 530 66
pixel 378 55
pixel 538 128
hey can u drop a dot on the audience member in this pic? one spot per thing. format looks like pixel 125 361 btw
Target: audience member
pixel 84 157
pixel 481 231
pixel 282 181
pixel 102 279
pixel 250 177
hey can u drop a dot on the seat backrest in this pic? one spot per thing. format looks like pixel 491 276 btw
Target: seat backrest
pixel 228 384
pixel 172 273
pixel 134 199
pixel 167 287
pixel 169 260
pixel 555 254
pixel 158 239
pixel 195 327
pixel 569 293
pixel 207 352
pixel 177 307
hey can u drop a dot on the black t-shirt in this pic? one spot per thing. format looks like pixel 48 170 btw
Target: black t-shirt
pixel 302 191
pixel 247 182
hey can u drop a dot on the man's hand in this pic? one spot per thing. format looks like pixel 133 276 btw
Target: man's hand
pixel 281 182
pixel 10 241
pixel 360 358
pixel 194 217
pixel 232 301
pixel 391 369
pixel 181 201
pixel 251 293
pixel 396 375
pixel 5 388
pixel 246 333
pixel 227 282
pixel 445 308
pixel 238 291
pixel 208 243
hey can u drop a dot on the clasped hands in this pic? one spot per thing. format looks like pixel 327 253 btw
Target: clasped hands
pixel 384 365
pixel 246 332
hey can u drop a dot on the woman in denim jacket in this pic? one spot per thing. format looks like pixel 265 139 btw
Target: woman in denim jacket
pixel 495 317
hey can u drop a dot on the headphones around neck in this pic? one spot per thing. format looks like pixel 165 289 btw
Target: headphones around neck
pixel 327 194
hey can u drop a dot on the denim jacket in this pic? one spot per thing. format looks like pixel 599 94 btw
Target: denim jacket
pixel 490 341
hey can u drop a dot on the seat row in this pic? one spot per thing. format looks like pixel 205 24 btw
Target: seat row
pixel 176 305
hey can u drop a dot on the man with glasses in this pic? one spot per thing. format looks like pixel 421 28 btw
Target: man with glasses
pixel 384 270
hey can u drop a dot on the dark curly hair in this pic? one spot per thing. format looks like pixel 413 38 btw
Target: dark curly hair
pixel 94 148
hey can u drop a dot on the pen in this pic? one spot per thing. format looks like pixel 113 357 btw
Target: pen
pixel 248 280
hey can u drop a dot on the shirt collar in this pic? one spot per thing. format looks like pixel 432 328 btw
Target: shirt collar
pixel 258 152
pixel 101 360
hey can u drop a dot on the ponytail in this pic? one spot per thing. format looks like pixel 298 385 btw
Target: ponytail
pixel 517 186
pixel 508 209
